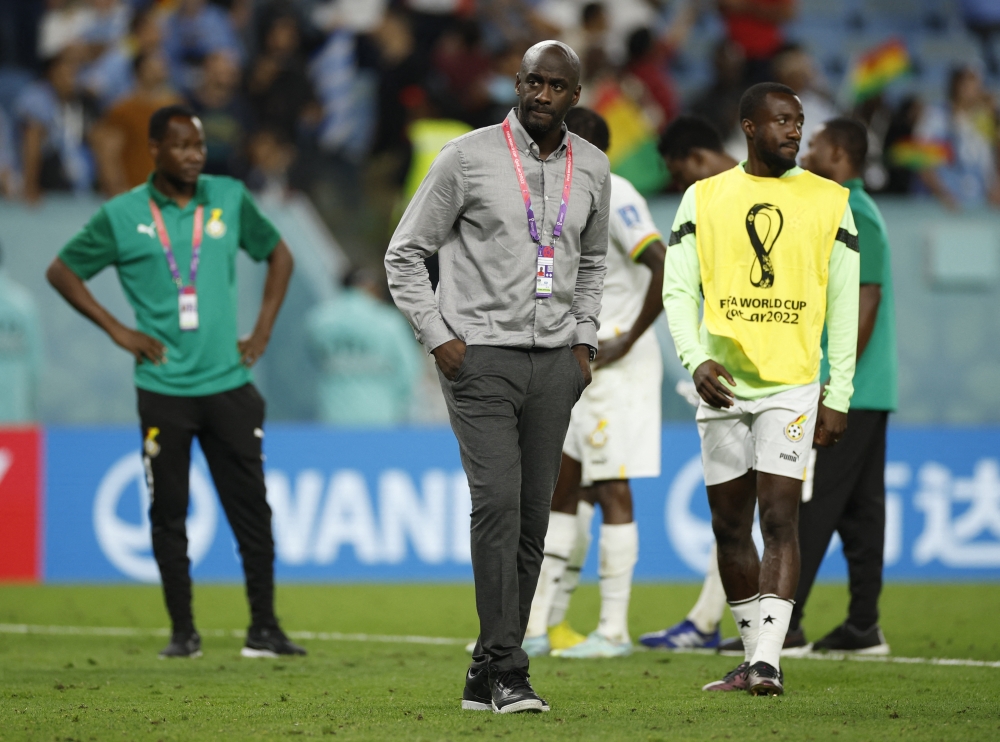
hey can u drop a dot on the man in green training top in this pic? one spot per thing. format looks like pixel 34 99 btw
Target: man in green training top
pixel 174 242
pixel 773 251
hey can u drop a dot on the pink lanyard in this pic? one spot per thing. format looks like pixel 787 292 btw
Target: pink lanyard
pixel 161 232
pixel 522 181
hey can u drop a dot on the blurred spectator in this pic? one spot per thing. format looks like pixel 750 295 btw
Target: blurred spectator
pixel 10 176
pixel 224 114
pixel 271 157
pixel 588 37
pixel 719 104
pixel 794 67
pixel 121 139
pixel 500 86
pixel 648 63
pixel 110 77
pixel 193 32
pixel 278 85
pixel 399 70
pixel 346 96
pixel 514 23
pixel 20 352
pixel 755 26
pixel 982 18
pixel 966 126
pixel 901 128
pixel 465 69
pixel 368 358
pixel 53 126
pixel 63 25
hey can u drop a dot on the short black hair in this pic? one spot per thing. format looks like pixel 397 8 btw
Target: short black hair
pixel 755 95
pixel 686 133
pixel 160 119
pixel 851 136
pixel 590 126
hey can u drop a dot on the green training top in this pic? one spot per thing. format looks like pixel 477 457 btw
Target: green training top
pixel 875 378
pixel 682 301
pixel 122 233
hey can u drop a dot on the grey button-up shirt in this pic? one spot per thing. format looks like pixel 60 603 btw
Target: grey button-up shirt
pixel 469 210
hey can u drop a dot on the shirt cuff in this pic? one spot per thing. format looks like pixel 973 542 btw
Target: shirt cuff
pixel 837 399
pixel 586 334
pixel 694 359
pixel 436 334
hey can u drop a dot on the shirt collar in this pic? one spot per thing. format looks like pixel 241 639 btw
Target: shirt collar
pixel 526 143
pixel 787 174
pixel 854 184
pixel 200 192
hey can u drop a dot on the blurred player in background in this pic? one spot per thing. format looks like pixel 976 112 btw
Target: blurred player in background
pixel 614 432
pixel 192 372
pixel 773 251
pixel 693 150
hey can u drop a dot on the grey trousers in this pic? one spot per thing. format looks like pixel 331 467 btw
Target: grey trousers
pixel 510 410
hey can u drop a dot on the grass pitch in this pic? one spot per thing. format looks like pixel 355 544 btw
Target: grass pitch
pixel 87 687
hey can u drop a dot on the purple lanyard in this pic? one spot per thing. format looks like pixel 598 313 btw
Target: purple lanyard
pixel 522 182
pixel 161 232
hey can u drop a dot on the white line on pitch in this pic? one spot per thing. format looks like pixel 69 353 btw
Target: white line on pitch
pixel 8 628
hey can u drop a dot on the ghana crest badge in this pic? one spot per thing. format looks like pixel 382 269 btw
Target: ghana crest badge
pixel 794 429
pixel 598 438
pixel 149 445
pixel 215 228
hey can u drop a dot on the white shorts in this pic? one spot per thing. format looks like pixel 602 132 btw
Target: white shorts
pixel 614 430
pixel 773 434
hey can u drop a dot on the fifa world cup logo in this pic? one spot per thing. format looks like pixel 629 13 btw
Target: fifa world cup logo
pixel 764 223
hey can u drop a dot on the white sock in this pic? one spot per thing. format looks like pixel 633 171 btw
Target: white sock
pixel 571 577
pixel 746 613
pixel 619 549
pixel 775 613
pixel 559 541
pixel 707 612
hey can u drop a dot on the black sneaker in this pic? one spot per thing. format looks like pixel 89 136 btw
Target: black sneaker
pixel 764 680
pixel 512 693
pixel 182 644
pixel 270 642
pixel 793 640
pixel 476 696
pixel 846 638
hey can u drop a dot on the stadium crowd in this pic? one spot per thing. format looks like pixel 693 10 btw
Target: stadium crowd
pixel 319 95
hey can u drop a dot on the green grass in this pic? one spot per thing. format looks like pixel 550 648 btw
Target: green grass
pixel 114 688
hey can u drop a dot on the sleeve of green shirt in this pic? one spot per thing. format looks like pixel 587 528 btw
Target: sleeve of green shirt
pixel 873 248
pixel 258 236
pixel 92 249
pixel 842 318
pixel 682 285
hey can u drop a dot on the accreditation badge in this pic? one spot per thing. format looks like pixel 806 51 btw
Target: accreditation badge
pixel 543 277
pixel 188 308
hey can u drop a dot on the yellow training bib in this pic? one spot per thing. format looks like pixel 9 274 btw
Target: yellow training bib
pixel 764 246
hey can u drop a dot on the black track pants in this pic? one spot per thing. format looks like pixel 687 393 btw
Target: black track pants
pixel 228 426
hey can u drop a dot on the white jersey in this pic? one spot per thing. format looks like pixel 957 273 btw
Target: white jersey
pixel 614 430
pixel 630 231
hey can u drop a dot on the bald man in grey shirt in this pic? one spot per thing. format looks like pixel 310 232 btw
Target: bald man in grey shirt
pixel 513 328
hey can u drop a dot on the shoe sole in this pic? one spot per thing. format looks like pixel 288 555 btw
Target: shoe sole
pixel 519 707
pixel 192 656
pixel 476 705
pixel 879 650
pixel 766 689
pixel 258 653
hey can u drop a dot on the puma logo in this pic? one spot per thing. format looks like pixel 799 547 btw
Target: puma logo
pixel 149 229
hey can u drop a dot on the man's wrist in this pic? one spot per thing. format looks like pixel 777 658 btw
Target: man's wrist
pixel 591 350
